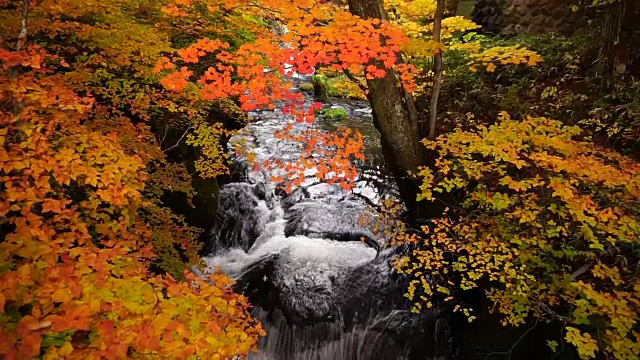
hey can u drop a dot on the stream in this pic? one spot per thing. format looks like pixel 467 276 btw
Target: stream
pixel 318 274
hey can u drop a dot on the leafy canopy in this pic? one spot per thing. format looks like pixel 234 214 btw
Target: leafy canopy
pixel 550 222
pixel 82 178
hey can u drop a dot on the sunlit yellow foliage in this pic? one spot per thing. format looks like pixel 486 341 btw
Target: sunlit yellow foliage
pixel 586 345
pixel 502 55
pixel 416 19
pixel 339 85
pixel 422 48
pixel 207 138
pixel 456 24
pixel 349 89
pixel 551 222
pixel 415 11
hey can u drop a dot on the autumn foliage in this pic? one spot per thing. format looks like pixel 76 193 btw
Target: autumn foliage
pixel 305 36
pixel 94 95
pixel 318 34
pixel 549 221
pixel 83 173
pixel 81 216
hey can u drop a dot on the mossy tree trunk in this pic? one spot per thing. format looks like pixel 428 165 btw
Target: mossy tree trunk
pixel 320 87
pixel 395 117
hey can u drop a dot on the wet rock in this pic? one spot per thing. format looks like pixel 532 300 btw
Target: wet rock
pixel 345 220
pixel 242 215
pixel 296 196
pixel 310 260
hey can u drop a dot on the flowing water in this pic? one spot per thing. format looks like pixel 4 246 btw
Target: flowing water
pixel 320 291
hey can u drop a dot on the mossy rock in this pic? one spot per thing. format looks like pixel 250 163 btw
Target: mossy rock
pixel 340 86
pixel 306 87
pixel 320 88
pixel 334 113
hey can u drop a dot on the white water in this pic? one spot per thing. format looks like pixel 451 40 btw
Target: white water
pixel 326 289
pixel 301 252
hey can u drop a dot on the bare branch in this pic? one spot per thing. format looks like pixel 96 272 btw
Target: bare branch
pixel 580 271
pixel 353 78
pixel 548 311
pixel 164 136
pixel 437 69
pixel 22 38
pixel 513 347
pixel 179 140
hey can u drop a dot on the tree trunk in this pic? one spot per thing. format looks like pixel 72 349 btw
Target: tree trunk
pixel 452 6
pixel 14 71
pixel 609 39
pixel 437 69
pixel 394 116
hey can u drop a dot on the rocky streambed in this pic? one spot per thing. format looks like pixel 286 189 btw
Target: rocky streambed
pixel 317 272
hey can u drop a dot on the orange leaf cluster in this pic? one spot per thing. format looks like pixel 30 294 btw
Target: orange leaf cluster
pixel 319 34
pixel 74 258
pixel 330 156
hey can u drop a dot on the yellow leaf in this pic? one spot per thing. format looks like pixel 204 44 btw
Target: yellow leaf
pixel 61 295
pixel 66 349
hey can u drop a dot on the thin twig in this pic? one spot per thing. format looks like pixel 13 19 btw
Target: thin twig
pixel 179 140
pixel 513 347
pixel 22 38
pixel 548 310
pixel 164 136
pixel 353 78
pixel 557 353
pixel 437 70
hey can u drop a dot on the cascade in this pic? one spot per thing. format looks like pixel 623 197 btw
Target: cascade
pixel 318 275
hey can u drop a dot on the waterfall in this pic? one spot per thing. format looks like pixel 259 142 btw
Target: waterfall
pixel 311 262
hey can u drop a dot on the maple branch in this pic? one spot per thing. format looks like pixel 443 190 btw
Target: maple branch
pixel 437 70
pixel 353 78
pixel 164 136
pixel 513 347
pixel 580 271
pixel 179 140
pixel 22 37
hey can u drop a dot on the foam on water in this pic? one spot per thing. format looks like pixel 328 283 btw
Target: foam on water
pixel 320 281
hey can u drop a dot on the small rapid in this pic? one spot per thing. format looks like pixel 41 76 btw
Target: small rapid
pixel 312 262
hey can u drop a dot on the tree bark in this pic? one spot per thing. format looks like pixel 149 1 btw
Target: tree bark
pixel 14 71
pixel 22 37
pixel 394 116
pixel 609 39
pixel 437 69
